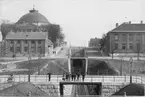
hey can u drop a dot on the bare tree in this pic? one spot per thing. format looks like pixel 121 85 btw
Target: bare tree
pixel 103 42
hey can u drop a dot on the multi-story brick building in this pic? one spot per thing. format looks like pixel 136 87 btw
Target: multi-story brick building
pixel 126 38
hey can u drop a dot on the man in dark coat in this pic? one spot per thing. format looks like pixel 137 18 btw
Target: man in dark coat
pixel 49 76
pixel 78 76
pixel 74 77
pixel 83 77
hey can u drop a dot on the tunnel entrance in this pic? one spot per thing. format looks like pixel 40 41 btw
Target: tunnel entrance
pixel 82 88
pixel 78 66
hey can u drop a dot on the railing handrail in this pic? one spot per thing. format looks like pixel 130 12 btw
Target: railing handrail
pixel 88 78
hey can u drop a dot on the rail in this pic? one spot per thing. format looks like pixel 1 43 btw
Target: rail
pixel 73 96
pixel 88 78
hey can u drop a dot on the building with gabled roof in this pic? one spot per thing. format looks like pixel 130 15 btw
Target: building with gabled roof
pixel 126 38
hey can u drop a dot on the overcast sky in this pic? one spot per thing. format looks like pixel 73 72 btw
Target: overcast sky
pixel 79 19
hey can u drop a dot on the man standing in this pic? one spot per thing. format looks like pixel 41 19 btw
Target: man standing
pixel 74 77
pixel 83 77
pixel 49 76
pixel 78 76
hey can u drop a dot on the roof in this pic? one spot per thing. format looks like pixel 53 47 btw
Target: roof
pixel 26 35
pixel 127 27
pixel 33 17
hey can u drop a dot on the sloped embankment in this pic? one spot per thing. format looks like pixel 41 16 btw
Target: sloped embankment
pixel 23 89
pixel 56 67
pixel 131 90
pixel 98 67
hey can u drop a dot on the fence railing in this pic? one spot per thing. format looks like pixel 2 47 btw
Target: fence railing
pixel 73 96
pixel 88 78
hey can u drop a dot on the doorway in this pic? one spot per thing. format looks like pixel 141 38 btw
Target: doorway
pixel 78 66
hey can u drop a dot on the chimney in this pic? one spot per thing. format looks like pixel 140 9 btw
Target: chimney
pixel 117 24
pixel 129 22
pixel 141 22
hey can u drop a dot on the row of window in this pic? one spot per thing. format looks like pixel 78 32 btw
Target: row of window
pixel 18 49
pixel 124 46
pixel 29 30
pixel 25 41
pixel 130 37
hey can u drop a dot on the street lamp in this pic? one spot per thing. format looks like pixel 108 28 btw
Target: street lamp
pixel 39 58
pixel 29 58
pixel 121 66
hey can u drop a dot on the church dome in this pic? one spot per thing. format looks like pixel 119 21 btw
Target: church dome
pixel 33 17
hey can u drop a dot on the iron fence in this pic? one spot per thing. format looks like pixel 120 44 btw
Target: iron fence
pixel 88 78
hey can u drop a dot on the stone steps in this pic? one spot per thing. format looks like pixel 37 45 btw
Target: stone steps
pixel 67 89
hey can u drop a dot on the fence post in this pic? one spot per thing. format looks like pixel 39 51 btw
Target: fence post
pixel 14 78
pixel 46 78
pixel 102 79
pixel 141 80
pixel 35 78
pixel 19 78
pixel 114 78
pixel 136 79
pixel 91 79
pixel 125 78
pixel 23 78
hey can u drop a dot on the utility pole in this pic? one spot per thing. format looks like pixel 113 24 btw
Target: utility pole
pixel 29 57
pixel 39 58
pixel 131 61
pixel 121 67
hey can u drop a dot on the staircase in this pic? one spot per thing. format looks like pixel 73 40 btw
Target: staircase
pixel 68 89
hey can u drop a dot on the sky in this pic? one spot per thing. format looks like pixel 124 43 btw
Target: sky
pixel 79 19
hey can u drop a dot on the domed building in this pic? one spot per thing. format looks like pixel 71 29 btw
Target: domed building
pixel 27 36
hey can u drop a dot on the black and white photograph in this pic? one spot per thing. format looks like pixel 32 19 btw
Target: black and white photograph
pixel 72 48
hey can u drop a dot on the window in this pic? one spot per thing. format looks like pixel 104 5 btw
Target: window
pixel 116 37
pixel 138 46
pixel 33 49
pixel 115 46
pixel 11 42
pixel 25 49
pixel 39 41
pixel 124 37
pixel 11 49
pixel 138 37
pixel 130 46
pixel 18 42
pixel 130 37
pixel 39 49
pixel 123 46
pixel 18 50
pixel 26 41
pixel 33 42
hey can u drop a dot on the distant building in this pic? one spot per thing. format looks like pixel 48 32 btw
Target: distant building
pixel 126 38
pixel 27 36
pixel 94 42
